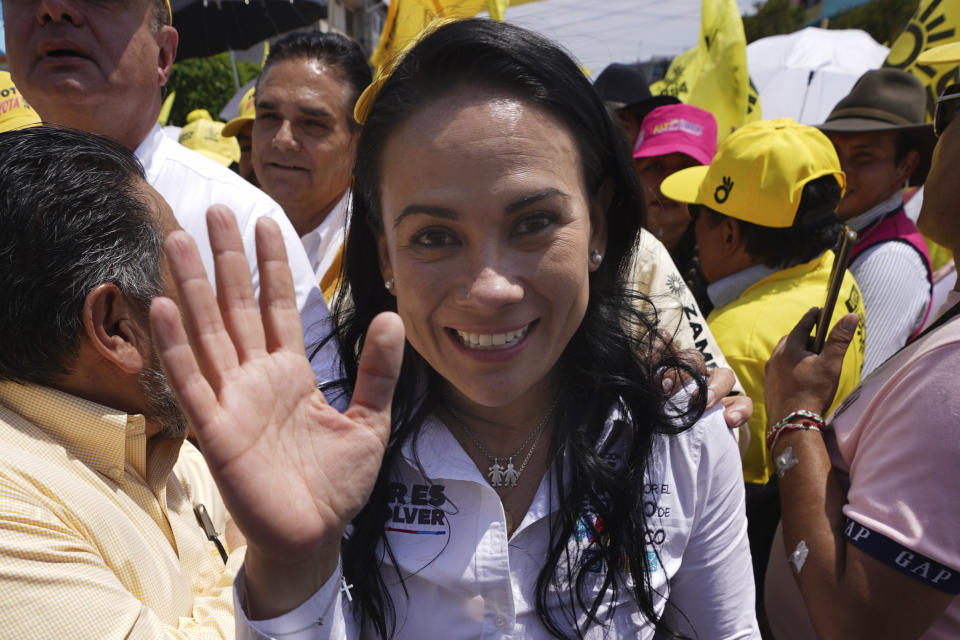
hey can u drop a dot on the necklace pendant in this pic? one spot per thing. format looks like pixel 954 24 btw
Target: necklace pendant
pixel 510 474
pixel 495 474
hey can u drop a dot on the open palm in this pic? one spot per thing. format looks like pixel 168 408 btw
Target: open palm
pixel 292 470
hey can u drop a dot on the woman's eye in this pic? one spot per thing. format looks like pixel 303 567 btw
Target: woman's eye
pixel 434 238
pixel 533 223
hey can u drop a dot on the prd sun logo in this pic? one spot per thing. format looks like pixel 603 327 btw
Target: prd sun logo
pixel 928 28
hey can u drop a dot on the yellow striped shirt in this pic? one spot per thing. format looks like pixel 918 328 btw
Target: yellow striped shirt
pixel 98 538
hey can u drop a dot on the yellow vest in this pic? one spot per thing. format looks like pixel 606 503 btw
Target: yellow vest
pixel 749 328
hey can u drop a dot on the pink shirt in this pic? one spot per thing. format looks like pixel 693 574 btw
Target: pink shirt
pixel 895 444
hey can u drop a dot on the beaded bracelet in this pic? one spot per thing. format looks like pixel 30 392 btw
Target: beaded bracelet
pixel 808 421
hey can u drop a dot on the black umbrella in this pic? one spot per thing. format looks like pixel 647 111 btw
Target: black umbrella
pixel 210 26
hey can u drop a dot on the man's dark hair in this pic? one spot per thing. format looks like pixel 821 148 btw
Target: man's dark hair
pixel 815 229
pixel 331 48
pixel 72 216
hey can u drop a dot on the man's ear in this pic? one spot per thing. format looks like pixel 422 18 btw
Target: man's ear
pixel 167 40
pixel 732 239
pixel 906 166
pixel 599 206
pixel 115 328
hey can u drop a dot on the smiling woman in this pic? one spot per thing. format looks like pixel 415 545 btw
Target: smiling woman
pixel 531 473
pixel 489 184
pixel 495 242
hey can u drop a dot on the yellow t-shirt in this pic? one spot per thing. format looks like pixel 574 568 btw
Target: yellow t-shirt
pixel 749 328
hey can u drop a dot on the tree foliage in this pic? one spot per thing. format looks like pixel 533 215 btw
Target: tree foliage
pixel 205 83
pixel 882 19
pixel 773 17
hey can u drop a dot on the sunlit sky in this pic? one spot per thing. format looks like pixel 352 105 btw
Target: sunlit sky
pixel 598 32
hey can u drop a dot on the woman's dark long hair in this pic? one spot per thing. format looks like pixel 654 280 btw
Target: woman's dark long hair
pixel 615 356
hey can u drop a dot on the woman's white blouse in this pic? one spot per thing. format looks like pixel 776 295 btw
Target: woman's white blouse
pixel 466 579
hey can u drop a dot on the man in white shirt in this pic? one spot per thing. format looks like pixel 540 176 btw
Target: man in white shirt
pixel 305 136
pixel 99 67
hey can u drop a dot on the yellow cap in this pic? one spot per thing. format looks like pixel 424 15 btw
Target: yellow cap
pixel 759 172
pixel 169 10
pixel 943 54
pixel 202 135
pixel 199 114
pixel 15 113
pixel 246 111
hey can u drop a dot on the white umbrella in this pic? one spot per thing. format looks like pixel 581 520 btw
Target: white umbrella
pixel 802 75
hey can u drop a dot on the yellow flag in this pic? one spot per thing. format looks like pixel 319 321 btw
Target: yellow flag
pixel 498 9
pixel 407 18
pixel 713 75
pixel 165 109
pixel 934 23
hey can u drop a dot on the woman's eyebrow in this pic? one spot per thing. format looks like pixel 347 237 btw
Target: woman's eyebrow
pixel 536 196
pixel 425 209
pixel 450 214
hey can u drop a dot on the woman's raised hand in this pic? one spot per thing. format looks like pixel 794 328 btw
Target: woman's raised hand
pixel 292 470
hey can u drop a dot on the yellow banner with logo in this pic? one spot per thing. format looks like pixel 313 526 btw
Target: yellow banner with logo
pixel 713 75
pixel 407 18
pixel 935 22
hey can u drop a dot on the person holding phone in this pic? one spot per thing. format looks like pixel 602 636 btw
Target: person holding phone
pixel 872 498
pixel 765 223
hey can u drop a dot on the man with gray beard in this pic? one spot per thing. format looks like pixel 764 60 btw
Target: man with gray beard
pixel 108 517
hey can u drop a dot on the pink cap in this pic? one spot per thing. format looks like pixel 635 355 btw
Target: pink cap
pixel 677 128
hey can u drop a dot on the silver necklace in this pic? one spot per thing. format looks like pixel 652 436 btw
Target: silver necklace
pixel 503 473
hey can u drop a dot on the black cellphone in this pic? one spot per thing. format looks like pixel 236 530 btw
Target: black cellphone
pixel 840 264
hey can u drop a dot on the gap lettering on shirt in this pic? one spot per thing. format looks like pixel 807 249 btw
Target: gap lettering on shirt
pixel 893 553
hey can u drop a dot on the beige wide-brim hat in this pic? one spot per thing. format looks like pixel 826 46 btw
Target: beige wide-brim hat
pixel 887 100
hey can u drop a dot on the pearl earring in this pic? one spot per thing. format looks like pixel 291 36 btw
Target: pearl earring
pixel 596 257
pixel 388 285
